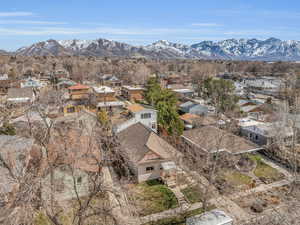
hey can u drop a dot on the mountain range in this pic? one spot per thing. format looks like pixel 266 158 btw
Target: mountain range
pixel 236 49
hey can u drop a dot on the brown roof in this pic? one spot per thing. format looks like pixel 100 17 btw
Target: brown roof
pixel 190 118
pixel 135 108
pixel 139 142
pixel 26 92
pixel 211 139
pixel 200 120
pixel 78 87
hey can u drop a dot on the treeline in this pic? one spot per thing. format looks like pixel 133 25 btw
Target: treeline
pixel 138 69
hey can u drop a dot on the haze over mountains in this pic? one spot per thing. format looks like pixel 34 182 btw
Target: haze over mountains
pixel 237 49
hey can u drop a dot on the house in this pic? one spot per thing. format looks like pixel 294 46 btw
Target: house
pixel 132 93
pixel 184 92
pixel 32 82
pixel 61 73
pixel 268 133
pixel 20 95
pixel 106 100
pixel 138 114
pixel 173 79
pixel 146 151
pixel 211 139
pixel 194 108
pixel 84 120
pixel 65 83
pixel 192 120
pixel 17 153
pixel 239 89
pixel 104 94
pixel 264 85
pixel 189 120
pixel 4 76
pixel 110 80
pixel 213 217
pixel 256 111
pixel 79 92
pixel 73 106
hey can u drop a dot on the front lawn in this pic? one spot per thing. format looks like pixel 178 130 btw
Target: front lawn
pixel 192 194
pixel 265 172
pixel 153 197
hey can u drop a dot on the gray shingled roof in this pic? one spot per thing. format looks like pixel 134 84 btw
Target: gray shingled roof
pixel 26 92
pixel 137 140
pixel 213 139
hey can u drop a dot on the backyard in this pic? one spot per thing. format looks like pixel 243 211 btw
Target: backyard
pixel 152 197
pixel 263 171
pixel 193 194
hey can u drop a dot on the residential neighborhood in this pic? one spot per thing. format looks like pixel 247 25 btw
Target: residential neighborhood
pixel 178 138
pixel 150 112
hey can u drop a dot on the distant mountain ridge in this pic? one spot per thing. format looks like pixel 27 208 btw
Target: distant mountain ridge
pixel 236 49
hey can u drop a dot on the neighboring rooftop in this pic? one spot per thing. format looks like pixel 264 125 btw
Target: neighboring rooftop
pixel 135 108
pixel 271 129
pixel 189 118
pixel 133 87
pixel 78 87
pixel 184 90
pixel 111 104
pixel 212 139
pixel 103 89
pixel 13 93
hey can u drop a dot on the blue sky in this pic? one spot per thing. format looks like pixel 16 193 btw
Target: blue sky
pixel 23 22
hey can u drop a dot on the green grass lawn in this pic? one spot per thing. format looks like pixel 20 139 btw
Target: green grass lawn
pixel 236 178
pixel 263 171
pixel 177 220
pixel 192 194
pixel 180 218
pixel 153 197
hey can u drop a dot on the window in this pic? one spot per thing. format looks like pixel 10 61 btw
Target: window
pixel 256 137
pixel 80 124
pixel 71 109
pixel 149 168
pixel 153 126
pixel 79 180
pixel 146 115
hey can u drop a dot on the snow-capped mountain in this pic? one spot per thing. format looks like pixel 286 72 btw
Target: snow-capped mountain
pixel 45 48
pixel 239 49
pixel 2 52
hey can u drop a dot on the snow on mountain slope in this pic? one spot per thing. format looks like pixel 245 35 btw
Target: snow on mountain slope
pixel 239 49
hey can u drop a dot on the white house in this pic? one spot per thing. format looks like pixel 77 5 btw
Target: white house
pixel 32 82
pixel 139 114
